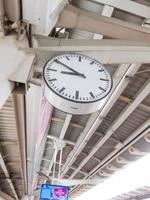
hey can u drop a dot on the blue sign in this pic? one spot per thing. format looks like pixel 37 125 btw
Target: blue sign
pixel 54 192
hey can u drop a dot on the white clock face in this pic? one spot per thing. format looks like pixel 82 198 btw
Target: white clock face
pixel 77 78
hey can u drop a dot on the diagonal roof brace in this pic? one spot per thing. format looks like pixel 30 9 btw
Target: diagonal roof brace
pixel 72 17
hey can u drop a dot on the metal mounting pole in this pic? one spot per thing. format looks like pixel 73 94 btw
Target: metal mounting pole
pixel 54 166
pixel 60 162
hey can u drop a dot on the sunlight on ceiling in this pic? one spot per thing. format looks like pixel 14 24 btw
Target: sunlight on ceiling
pixel 130 178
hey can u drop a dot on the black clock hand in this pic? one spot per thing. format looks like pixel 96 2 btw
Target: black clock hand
pixel 72 73
pixel 57 61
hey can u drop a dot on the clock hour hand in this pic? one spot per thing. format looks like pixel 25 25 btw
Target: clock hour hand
pixel 57 61
pixel 72 73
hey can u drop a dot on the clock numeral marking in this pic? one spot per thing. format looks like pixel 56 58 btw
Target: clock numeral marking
pixel 102 79
pixel 53 79
pixel 92 95
pixel 101 70
pixel 62 89
pixel 77 94
pixel 50 69
pixel 79 58
pixel 92 62
pixel 102 89
pixel 67 58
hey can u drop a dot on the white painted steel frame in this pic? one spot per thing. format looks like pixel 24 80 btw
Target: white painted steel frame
pixel 106 51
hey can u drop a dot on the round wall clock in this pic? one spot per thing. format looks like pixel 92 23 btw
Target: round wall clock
pixel 75 83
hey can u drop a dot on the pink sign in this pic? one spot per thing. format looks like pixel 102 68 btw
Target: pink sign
pixel 60 192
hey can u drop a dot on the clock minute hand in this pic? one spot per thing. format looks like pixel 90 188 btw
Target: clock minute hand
pixel 57 61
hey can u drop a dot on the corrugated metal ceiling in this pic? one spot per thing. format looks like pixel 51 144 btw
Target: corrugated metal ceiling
pixel 10 149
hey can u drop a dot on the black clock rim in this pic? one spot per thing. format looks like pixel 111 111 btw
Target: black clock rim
pixel 81 102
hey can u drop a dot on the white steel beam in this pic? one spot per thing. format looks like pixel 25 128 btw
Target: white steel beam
pixel 6 172
pixel 106 51
pixel 128 6
pixel 96 119
pixel 121 118
pixel 75 18
pixel 33 100
pixel 128 100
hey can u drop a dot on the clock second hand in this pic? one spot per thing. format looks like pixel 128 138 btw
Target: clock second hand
pixel 75 72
